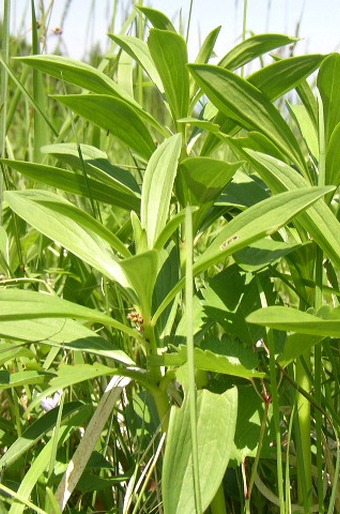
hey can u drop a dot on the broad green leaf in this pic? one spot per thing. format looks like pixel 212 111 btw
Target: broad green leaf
pixel 36 431
pixel 288 319
pixel 252 48
pixel 333 158
pixel 22 378
pixel 96 164
pixel 157 187
pixel 158 19
pixel 266 251
pixel 214 362
pixel 85 76
pixel 20 304
pixel 139 51
pixel 169 53
pixel 260 220
pixel 63 333
pixel 297 344
pixel 318 220
pixel 141 271
pixel 239 100
pixel 113 114
pixel 76 184
pixel 328 81
pixel 215 429
pixel 74 229
pixel 282 76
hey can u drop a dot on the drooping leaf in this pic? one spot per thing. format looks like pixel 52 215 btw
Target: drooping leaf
pixel 113 114
pixel 169 53
pixel 157 187
pixel 74 229
pixel 22 378
pixel 239 100
pixel 77 184
pixel 266 251
pixel 215 429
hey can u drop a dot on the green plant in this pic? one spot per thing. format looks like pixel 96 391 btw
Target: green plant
pixel 178 259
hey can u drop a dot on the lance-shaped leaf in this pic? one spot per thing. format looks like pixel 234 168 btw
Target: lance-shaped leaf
pixel 252 48
pixel 216 423
pixel 239 100
pixel 328 82
pixel 113 114
pixel 333 158
pixel 71 227
pixel 318 220
pixel 158 19
pixel 258 221
pixel 169 53
pixel 77 184
pixel 140 52
pixel 157 187
pixel 85 76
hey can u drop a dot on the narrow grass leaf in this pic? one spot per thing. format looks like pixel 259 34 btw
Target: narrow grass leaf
pixel 239 100
pixel 169 53
pixel 22 378
pixel 113 114
pixel 157 187
pixel 75 183
pixel 74 229
pixel 216 425
pixel 252 48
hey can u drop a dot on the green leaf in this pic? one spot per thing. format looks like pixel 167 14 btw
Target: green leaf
pixel 96 164
pixel 318 220
pixel 328 80
pixel 296 345
pixel 169 53
pixel 333 158
pixel 266 251
pixel 140 52
pixel 215 429
pixel 113 114
pixel 22 378
pixel 62 333
pixel 76 184
pixel 286 318
pixel 74 229
pixel 158 19
pixel 239 100
pixel 307 128
pixel 141 271
pixel 207 46
pixel 34 432
pixel 215 362
pixel 157 187
pixel 252 48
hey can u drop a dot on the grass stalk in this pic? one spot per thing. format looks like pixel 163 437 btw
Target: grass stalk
pixel 192 396
pixel 3 90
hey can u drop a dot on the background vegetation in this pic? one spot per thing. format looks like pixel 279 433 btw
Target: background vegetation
pixel 169 259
